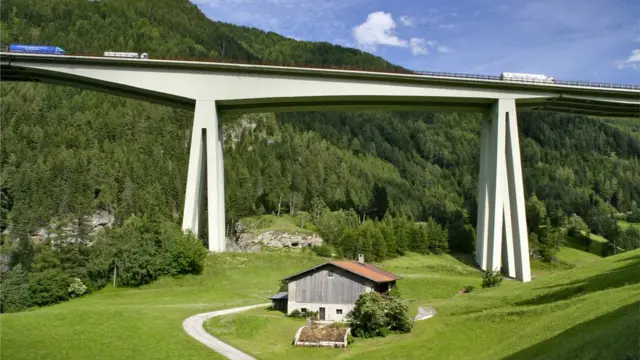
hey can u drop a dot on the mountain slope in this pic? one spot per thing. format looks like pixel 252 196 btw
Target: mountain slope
pixel 67 152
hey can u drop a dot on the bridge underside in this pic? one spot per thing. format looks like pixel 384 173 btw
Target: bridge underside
pixel 560 103
pixel 583 106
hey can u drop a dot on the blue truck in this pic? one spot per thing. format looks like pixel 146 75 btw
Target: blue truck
pixel 36 49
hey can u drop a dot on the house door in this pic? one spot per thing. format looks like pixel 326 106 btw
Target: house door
pixel 322 313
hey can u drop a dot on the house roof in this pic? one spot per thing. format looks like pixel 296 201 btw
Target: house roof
pixel 364 270
pixel 280 296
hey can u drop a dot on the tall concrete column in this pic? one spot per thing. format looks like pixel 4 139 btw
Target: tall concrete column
pixel 508 261
pixel 204 171
pixel 496 184
pixel 482 228
pixel 220 188
pixel 502 241
pixel 516 196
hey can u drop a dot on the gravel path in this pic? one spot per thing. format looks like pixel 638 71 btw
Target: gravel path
pixel 194 326
pixel 425 313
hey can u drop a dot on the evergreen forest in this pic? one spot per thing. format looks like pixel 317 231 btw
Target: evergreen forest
pixel 382 183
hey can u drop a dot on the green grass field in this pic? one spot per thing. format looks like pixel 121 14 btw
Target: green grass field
pixel 583 313
pixel 584 310
pixel 284 223
pixel 625 224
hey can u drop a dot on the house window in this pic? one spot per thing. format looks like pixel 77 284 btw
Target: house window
pixel 330 274
pixel 339 311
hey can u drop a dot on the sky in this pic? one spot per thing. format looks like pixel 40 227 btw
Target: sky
pixel 592 40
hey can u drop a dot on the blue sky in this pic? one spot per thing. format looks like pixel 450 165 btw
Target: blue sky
pixel 596 40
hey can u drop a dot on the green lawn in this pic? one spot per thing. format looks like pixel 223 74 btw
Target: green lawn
pixel 583 313
pixel 625 224
pixel 146 323
pixel 284 223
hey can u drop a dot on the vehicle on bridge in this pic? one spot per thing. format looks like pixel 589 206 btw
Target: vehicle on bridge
pixel 130 55
pixel 527 77
pixel 36 49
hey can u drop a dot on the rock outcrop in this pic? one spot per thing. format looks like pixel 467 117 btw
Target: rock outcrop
pixel 93 224
pixel 253 242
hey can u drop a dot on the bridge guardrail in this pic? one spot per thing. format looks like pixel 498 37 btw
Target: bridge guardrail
pixel 398 70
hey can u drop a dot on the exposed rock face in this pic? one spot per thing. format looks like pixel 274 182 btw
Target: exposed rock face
pixel 251 242
pixel 99 220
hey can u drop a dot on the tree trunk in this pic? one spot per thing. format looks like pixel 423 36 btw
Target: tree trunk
pixel 279 204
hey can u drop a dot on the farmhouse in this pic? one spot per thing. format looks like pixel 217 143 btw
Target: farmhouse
pixel 332 288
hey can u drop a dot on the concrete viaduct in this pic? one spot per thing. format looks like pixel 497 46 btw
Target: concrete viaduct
pixel 217 88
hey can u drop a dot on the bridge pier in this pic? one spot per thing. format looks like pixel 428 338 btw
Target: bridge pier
pixel 502 240
pixel 206 170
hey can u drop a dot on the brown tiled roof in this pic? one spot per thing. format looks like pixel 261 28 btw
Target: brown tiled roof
pixel 365 270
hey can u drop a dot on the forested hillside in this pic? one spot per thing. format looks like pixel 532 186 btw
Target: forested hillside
pixel 66 153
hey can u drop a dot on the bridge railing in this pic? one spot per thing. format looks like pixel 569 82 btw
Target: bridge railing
pixel 399 70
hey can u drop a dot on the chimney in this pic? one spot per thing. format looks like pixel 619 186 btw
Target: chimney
pixel 361 258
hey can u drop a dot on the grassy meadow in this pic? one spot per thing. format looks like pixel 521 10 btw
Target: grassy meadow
pixel 583 311
pixel 586 312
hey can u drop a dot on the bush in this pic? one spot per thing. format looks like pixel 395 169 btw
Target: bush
pixel 367 319
pixel 468 289
pixel 634 217
pixel 144 249
pixel 397 317
pixel 323 250
pixel 77 288
pixel 395 292
pixel 350 339
pixel 49 287
pixel 186 255
pixel 491 279
pixel 375 316
pixel 296 314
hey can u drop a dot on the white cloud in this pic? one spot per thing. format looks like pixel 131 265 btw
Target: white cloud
pixel 633 61
pixel 406 21
pixel 445 50
pixel 418 46
pixel 377 30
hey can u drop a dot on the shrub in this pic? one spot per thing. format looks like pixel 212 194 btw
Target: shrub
pixel 375 316
pixel 350 339
pixel 395 292
pixel 49 287
pixel 144 249
pixel 491 279
pixel 296 314
pixel 186 254
pixel 367 319
pixel 397 317
pixel 322 250
pixel 468 289
pixel 77 288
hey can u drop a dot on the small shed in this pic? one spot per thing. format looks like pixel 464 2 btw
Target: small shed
pixel 279 301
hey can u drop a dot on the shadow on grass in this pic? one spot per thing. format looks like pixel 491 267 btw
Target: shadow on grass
pixel 628 274
pixel 612 336
pixel 468 259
